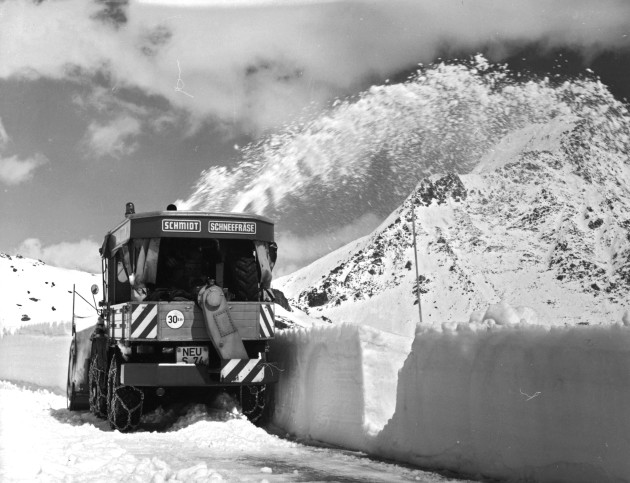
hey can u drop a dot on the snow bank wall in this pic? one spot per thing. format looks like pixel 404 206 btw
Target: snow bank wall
pixel 41 360
pixel 526 403
pixel 338 383
pixel 38 355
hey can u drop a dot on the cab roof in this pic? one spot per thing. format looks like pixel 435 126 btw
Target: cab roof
pixel 188 224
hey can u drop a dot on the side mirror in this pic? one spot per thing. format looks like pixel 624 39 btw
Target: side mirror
pixel 94 289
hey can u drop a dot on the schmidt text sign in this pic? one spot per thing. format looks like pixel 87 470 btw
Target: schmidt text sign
pixel 189 226
pixel 244 227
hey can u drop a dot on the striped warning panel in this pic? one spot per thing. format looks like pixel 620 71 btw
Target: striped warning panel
pixel 118 324
pixel 243 371
pixel 144 321
pixel 266 321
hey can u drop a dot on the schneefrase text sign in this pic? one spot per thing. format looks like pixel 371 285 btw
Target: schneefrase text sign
pixel 190 226
pixel 244 227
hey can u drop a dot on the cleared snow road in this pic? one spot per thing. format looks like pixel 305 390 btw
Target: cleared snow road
pixel 42 441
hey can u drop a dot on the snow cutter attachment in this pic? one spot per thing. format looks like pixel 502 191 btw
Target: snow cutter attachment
pixel 222 331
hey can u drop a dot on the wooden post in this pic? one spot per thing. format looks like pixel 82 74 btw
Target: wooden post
pixel 415 254
pixel 74 329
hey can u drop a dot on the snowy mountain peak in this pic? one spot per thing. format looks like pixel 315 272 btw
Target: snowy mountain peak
pixel 543 221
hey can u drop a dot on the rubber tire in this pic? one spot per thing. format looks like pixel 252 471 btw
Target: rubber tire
pixel 117 415
pixel 71 400
pixel 97 379
pixel 244 277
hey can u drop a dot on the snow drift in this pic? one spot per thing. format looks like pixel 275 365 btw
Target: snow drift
pixel 337 384
pixel 522 402
pixel 517 402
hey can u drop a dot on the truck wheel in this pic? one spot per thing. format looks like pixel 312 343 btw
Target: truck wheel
pixel 253 402
pixel 97 380
pixel 71 398
pixel 244 277
pixel 124 403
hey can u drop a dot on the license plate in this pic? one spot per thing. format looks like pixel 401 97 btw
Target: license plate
pixel 192 355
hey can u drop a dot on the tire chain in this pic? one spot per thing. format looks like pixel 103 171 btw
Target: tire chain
pixel 97 378
pixel 117 403
pixel 258 408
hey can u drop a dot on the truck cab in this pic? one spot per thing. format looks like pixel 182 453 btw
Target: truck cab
pixel 187 305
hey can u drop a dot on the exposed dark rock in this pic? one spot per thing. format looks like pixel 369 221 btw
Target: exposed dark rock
pixel 281 299
pixel 447 187
pixel 282 323
pixel 315 298
pixel 423 283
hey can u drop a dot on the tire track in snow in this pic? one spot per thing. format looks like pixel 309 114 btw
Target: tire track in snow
pixel 42 441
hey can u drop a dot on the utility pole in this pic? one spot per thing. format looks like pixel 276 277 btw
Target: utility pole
pixel 74 327
pixel 415 254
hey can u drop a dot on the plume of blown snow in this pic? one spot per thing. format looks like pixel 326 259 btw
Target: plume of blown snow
pixel 373 149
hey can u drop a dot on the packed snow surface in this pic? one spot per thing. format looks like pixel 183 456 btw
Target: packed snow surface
pixel 43 441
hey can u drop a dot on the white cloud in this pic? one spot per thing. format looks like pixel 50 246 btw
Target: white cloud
pixel 295 252
pixel 14 171
pixel 256 63
pixel 4 137
pixel 81 255
pixel 115 138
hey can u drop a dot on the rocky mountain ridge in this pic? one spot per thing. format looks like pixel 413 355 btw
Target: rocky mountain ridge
pixel 543 220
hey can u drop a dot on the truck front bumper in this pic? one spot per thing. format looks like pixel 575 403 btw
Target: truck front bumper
pixel 233 372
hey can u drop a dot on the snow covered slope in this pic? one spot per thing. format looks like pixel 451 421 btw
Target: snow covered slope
pixel 37 297
pixel 543 221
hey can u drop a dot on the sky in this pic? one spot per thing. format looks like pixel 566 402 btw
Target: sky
pixel 104 102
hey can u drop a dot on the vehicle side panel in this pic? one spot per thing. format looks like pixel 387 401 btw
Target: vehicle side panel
pixel 147 321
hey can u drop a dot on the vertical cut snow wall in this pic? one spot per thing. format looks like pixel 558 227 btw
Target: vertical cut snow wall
pixel 526 403
pixel 510 402
pixel 338 383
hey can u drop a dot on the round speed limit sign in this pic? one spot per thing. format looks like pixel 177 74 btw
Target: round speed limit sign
pixel 174 319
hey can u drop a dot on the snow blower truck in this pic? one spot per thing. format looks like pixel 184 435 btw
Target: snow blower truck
pixel 187 310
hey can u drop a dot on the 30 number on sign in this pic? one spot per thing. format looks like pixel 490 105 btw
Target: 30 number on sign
pixel 174 319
